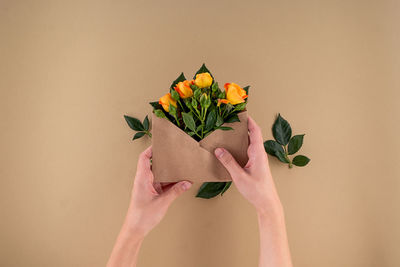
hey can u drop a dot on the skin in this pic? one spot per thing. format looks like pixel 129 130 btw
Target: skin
pixel 150 202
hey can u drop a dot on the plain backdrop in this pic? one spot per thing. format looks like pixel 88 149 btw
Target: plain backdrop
pixel 70 70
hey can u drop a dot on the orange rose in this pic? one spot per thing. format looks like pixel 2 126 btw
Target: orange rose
pixel 234 93
pixel 166 100
pixel 184 90
pixel 203 80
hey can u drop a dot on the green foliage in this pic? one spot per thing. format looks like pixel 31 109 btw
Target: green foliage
pixel 134 123
pixel 233 118
pixel 300 160
pixel 138 135
pixel 159 113
pixel 285 144
pixel 141 129
pixel 212 189
pixel 281 130
pixel 155 105
pixel 175 95
pixel 295 143
pixel 189 121
pixel 211 120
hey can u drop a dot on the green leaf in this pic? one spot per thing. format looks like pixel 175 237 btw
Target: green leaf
pixel 224 128
pixel 203 69
pixel 271 147
pixel 189 121
pixel 197 93
pixel 215 87
pixel 159 113
pixel 246 88
pixel 134 123
pixel 281 157
pixel 204 99
pixel 295 143
pixel 175 95
pixel 138 135
pixel 240 107
pixel 172 110
pixel 220 120
pixel 300 160
pixel 155 105
pixel 281 130
pixel 181 78
pixel 227 185
pixel 222 95
pixel 194 87
pixel 199 128
pixel 233 118
pixel 146 123
pixel 210 189
pixel 208 102
pixel 194 103
pixel 191 133
pixel 211 120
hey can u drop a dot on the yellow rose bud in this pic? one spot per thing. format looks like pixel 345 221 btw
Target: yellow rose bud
pixel 184 90
pixel 234 93
pixel 166 100
pixel 203 80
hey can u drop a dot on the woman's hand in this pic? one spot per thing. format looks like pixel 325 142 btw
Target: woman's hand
pixel 150 201
pixel 254 181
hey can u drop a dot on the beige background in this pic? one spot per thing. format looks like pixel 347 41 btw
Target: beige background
pixel 69 70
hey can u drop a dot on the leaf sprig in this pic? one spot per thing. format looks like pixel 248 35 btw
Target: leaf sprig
pixel 142 128
pixel 285 144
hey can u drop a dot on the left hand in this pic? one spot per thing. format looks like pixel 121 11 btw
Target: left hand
pixel 150 200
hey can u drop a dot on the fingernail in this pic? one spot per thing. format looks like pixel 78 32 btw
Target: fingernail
pixel 186 185
pixel 219 152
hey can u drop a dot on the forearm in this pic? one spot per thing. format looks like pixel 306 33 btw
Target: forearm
pixel 126 248
pixel 274 247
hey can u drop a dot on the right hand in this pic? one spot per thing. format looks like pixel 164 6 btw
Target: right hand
pixel 254 181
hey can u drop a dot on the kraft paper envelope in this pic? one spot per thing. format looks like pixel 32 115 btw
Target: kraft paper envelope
pixel 177 156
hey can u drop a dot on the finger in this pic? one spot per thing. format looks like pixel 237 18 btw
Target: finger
pixel 175 191
pixel 144 159
pixel 254 132
pixel 229 162
pixel 166 186
pixel 143 171
pixel 158 188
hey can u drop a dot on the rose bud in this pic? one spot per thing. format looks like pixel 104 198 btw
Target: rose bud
pixel 234 93
pixel 184 90
pixel 203 80
pixel 166 100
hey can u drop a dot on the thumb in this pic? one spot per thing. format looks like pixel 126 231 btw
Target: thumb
pixel 176 190
pixel 228 161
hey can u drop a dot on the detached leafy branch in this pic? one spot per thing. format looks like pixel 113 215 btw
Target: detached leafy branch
pixel 285 144
pixel 142 128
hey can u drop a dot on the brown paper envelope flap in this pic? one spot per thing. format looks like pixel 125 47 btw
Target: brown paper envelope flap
pixel 177 156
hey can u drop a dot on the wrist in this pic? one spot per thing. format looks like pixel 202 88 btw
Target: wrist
pixel 133 226
pixel 133 231
pixel 271 208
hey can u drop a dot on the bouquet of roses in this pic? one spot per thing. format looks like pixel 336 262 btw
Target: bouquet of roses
pixel 188 123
